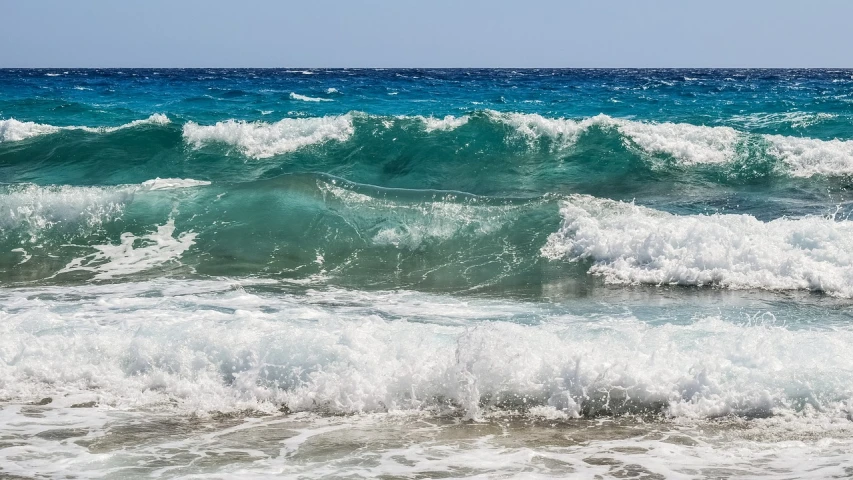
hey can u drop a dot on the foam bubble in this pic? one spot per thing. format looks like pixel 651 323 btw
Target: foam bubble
pixel 632 244
pixel 263 140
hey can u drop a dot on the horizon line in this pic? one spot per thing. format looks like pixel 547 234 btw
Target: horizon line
pixel 423 68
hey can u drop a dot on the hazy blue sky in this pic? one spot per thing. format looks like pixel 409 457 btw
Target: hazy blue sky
pixel 435 33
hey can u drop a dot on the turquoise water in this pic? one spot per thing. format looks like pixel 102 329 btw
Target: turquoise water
pixel 532 252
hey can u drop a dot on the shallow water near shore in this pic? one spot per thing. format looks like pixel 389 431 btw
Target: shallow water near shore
pixel 411 445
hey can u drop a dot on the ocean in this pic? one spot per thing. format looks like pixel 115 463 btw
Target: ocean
pixel 360 273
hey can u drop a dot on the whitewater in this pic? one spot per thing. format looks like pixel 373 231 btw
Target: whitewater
pixel 424 273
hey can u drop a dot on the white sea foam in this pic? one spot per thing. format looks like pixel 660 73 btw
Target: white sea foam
pixel 157 248
pixel 12 130
pixel 26 257
pixel 35 208
pixel 296 96
pixel 262 140
pixel 689 144
pixel 331 90
pixel 793 119
pixel 447 123
pixel 61 441
pixel 172 183
pixel 211 346
pixel 694 144
pixel 632 244
pixel 138 357
pixel 533 126
pixel 806 157
pixel 155 119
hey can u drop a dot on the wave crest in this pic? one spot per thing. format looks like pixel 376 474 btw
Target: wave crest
pixel 304 98
pixel 263 140
pixel 628 244
pixel 449 122
pixel 691 145
pixel 12 130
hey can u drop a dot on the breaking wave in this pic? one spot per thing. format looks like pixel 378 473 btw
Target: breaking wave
pixel 693 144
pixel 304 98
pixel 262 140
pixel 344 352
pixel 632 244
pixel 12 130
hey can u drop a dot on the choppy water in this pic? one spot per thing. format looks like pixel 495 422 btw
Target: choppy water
pixel 421 273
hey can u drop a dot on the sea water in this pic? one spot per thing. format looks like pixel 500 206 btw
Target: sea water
pixel 426 273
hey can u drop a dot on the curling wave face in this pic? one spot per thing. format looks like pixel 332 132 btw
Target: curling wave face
pixel 348 232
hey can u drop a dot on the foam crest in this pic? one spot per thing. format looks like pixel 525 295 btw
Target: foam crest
pixel 689 144
pixel 34 208
pixel 628 244
pixel 533 126
pixel 172 183
pixel 304 98
pixel 158 248
pixel 155 119
pixel 806 157
pixel 692 145
pixel 445 124
pixel 263 140
pixel 12 130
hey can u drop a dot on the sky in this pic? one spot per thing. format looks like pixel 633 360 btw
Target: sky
pixel 434 33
